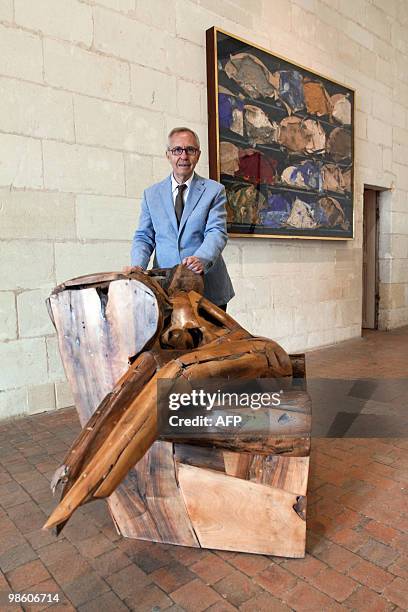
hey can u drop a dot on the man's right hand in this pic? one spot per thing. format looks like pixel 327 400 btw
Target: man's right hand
pixel 130 269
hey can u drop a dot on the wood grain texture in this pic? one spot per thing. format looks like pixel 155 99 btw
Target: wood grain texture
pixel 291 418
pixel 102 320
pixel 296 446
pixel 98 329
pixel 125 445
pixel 283 472
pixel 224 510
pixel 200 456
pixel 101 423
pixel 149 505
pixel 237 464
pixel 120 314
pixel 108 414
pixel 212 104
pixel 174 493
pixel 286 473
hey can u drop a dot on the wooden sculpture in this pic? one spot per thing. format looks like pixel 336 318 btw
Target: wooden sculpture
pixel 118 336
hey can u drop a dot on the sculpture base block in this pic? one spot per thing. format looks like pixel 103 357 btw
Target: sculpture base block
pixel 211 498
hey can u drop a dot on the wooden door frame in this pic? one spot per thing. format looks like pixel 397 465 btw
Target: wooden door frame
pixel 376 211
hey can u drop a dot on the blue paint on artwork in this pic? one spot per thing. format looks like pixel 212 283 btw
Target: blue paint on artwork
pixel 275 212
pixel 291 89
pixel 226 104
pixel 310 173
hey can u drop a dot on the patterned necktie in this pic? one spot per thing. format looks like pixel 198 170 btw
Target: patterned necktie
pixel 179 205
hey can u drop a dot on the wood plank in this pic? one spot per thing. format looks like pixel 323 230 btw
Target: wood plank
pixel 232 514
pixel 295 446
pixel 286 473
pixel 103 420
pixel 292 417
pixel 283 472
pixel 149 505
pixel 237 464
pixel 132 318
pixel 283 430
pixel 211 458
pixel 127 443
pixel 98 331
pixel 212 112
pixel 90 279
pixel 79 327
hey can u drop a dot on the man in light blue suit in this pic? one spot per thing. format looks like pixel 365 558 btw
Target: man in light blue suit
pixel 183 219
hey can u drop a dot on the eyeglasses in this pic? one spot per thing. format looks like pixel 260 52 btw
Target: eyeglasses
pixel 177 151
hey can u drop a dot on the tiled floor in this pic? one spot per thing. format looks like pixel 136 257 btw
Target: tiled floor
pixel 357 551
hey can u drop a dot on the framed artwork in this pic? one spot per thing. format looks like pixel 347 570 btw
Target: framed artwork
pixel 281 140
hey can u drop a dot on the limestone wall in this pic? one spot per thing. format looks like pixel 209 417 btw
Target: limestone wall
pixel 89 89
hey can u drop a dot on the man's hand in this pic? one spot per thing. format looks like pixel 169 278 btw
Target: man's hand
pixel 130 269
pixel 194 263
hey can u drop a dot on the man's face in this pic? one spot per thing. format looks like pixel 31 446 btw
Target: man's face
pixel 183 165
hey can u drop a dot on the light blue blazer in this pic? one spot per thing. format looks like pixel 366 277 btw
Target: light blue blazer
pixel 202 232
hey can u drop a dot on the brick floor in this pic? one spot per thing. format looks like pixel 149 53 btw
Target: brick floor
pixel 357 545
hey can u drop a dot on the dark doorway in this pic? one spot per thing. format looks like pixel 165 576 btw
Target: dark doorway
pixel 370 259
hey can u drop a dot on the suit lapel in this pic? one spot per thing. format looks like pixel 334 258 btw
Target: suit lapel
pixel 167 201
pixel 196 191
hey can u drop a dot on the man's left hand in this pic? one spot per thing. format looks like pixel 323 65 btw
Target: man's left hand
pixel 194 263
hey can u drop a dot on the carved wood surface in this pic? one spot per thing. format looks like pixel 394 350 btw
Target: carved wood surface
pixel 286 473
pixel 285 445
pixel 151 489
pixel 102 320
pixel 99 328
pixel 223 508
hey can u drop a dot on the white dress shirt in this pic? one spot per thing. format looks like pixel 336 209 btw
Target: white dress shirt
pixel 175 184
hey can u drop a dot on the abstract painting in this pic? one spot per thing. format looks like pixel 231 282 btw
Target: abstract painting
pixel 281 140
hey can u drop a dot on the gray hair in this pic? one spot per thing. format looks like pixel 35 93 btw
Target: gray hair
pixel 177 130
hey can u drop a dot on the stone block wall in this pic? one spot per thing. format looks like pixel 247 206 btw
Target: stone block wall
pixel 90 89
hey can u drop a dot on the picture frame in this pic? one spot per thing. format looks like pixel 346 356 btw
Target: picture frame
pixel 281 141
